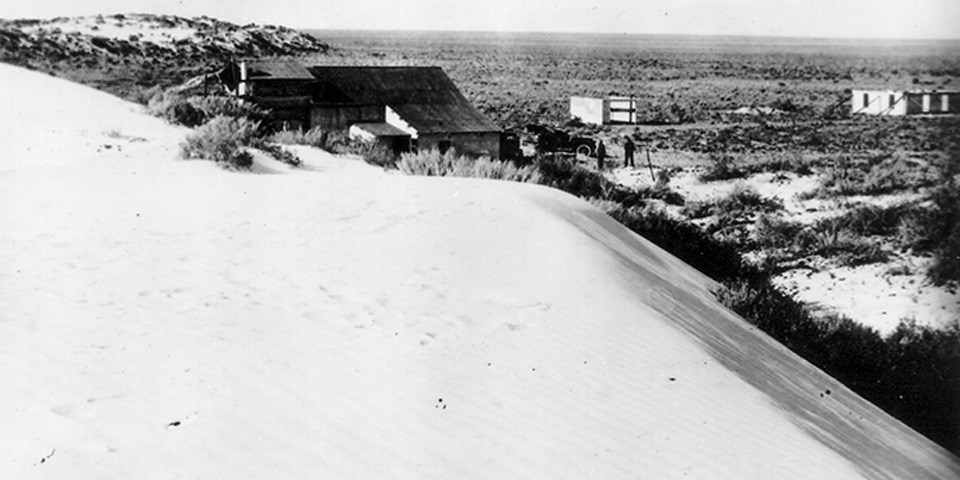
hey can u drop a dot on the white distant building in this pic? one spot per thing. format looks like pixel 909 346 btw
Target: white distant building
pixel 603 111
pixel 905 102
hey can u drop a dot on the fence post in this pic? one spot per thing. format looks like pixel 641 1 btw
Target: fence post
pixel 650 166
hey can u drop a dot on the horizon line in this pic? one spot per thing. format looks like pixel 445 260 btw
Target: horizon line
pixel 615 34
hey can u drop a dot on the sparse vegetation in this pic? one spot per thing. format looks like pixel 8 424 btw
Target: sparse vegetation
pixel 314 137
pixel 739 204
pixel 222 140
pixel 874 175
pixel 434 163
pixel 722 167
pixel 192 111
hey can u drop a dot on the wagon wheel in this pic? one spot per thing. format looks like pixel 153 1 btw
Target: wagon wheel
pixel 584 150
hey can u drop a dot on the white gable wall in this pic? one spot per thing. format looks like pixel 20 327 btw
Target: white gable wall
pixel 394 118
pixel 589 110
pixel 879 102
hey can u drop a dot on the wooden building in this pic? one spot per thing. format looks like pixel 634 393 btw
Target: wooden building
pixel 422 102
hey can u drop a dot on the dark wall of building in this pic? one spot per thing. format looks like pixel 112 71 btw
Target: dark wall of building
pixel 341 117
pixel 915 103
pixel 482 144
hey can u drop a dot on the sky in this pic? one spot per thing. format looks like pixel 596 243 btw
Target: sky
pixel 891 19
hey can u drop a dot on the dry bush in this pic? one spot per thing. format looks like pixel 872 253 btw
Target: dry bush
pixel 722 167
pixel 449 164
pixel 315 137
pixel 221 140
pixel 742 201
pixel 191 111
pixel 874 175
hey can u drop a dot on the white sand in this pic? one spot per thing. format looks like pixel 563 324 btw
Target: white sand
pixel 121 29
pixel 166 319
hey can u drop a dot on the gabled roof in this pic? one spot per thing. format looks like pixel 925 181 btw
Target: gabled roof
pixel 264 70
pixel 381 129
pixel 424 96
pixel 279 70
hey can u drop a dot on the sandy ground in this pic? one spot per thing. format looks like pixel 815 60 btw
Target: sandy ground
pixel 876 295
pixel 167 319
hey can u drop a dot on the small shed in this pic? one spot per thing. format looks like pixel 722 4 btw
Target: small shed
pixel 905 102
pixel 604 111
pixel 391 137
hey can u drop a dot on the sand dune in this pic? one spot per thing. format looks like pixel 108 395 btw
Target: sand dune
pixel 166 319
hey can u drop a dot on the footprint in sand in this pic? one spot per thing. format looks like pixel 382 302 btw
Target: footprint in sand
pixel 75 411
pixel 184 421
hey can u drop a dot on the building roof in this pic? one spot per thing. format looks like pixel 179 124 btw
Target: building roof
pixel 280 70
pixel 908 92
pixel 424 96
pixel 381 129
pixel 264 70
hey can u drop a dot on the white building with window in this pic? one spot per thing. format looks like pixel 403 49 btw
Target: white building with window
pixel 905 102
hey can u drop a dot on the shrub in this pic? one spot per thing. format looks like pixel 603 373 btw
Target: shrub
pixel 921 386
pixel 743 200
pixel 315 137
pixel 722 167
pixel 716 259
pixel 781 162
pixel 275 151
pixel 213 106
pixel 176 109
pixel 874 175
pixel 221 140
pixel 835 238
pixel 564 174
pixel 197 110
pixel 433 163
pixel 143 95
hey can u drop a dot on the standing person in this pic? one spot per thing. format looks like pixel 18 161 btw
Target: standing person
pixel 628 148
pixel 601 154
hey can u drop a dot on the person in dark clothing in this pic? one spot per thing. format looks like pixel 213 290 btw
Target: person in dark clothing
pixel 601 154
pixel 628 148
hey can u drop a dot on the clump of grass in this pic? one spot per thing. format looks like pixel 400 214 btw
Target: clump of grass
pixel 315 137
pixel 434 163
pixel 565 174
pixel 876 175
pixel 176 109
pixel 722 167
pixel 833 238
pixel 743 201
pixel 221 140
pixel 143 95
pixel 196 110
pixel 777 162
pixel 214 105
pixel 374 153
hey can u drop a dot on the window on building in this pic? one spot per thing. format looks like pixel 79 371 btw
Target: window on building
pixel 892 100
pixel 866 99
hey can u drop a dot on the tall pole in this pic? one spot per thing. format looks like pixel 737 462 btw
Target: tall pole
pixel 650 166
